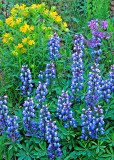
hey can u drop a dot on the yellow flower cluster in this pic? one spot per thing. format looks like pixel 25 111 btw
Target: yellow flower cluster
pixel 55 16
pixel 26 27
pixel 13 11
pixel 31 42
pixel 36 6
pixel 19 46
pixel 24 40
pixel 20 21
pixel 22 7
pixel 6 35
pixel 10 21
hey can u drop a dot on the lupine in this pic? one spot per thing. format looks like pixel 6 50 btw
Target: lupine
pixel 12 129
pixel 92 119
pixel 54 46
pixel 7 123
pixel 111 78
pixel 64 110
pixel 54 51
pixel 93 42
pixel 108 86
pixel 92 122
pixel 29 113
pixel 26 78
pixel 41 92
pixel 41 75
pixel 77 66
pixel 45 116
pixel 53 140
pixel 94 88
pixel 3 113
pixel 50 73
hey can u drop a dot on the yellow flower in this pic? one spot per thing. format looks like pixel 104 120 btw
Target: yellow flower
pixel 13 11
pixel 38 6
pixel 31 28
pixel 53 14
pixel 24 40
pixel 46 11
pixel 58 19
pixel 7 21
pixel 4 40
pixel 6 34
pixel 21 29
pixel 12 24
pixel 25 14
pixel 22 7
pixel 33 6
pixel 20 45
pixel 16 47
pixel 31 42
pixel 18 20
pixel 26 26
pixel 23 50
pixel 24 30
pixel 65 24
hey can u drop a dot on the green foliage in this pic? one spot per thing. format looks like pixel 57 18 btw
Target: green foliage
pixel 76 13
pixel 98 9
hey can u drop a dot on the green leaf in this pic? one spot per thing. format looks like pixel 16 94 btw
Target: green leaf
pixel 10 147
pixel 63 130
pixel 43 146
pixel 19 145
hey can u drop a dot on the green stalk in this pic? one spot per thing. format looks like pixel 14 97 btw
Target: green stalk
pixel 34 50
pixel 28 55
pixel 43 53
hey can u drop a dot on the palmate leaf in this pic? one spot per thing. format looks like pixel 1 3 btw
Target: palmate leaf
pixel 72 155
pixel 40 153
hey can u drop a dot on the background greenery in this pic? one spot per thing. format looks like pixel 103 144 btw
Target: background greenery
pixel 76 13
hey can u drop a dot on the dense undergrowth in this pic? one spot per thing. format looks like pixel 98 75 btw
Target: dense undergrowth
pixel 57 81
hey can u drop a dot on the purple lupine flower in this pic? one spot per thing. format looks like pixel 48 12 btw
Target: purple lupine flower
pixel 3 113
pixel 41 75
pixel 41 92
pixel 50 73
pixel 54 46
pixel 92 118
pixel 92 122
pixel 12 129
pixel 77 66
pixel 45 116
pixel 53 140
pixel 108 85
pixel 94 88
pixel 111 78
pixel 93 42
pixel 64 110
pixel 26 78
pixel 7 123
pixel 29 113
